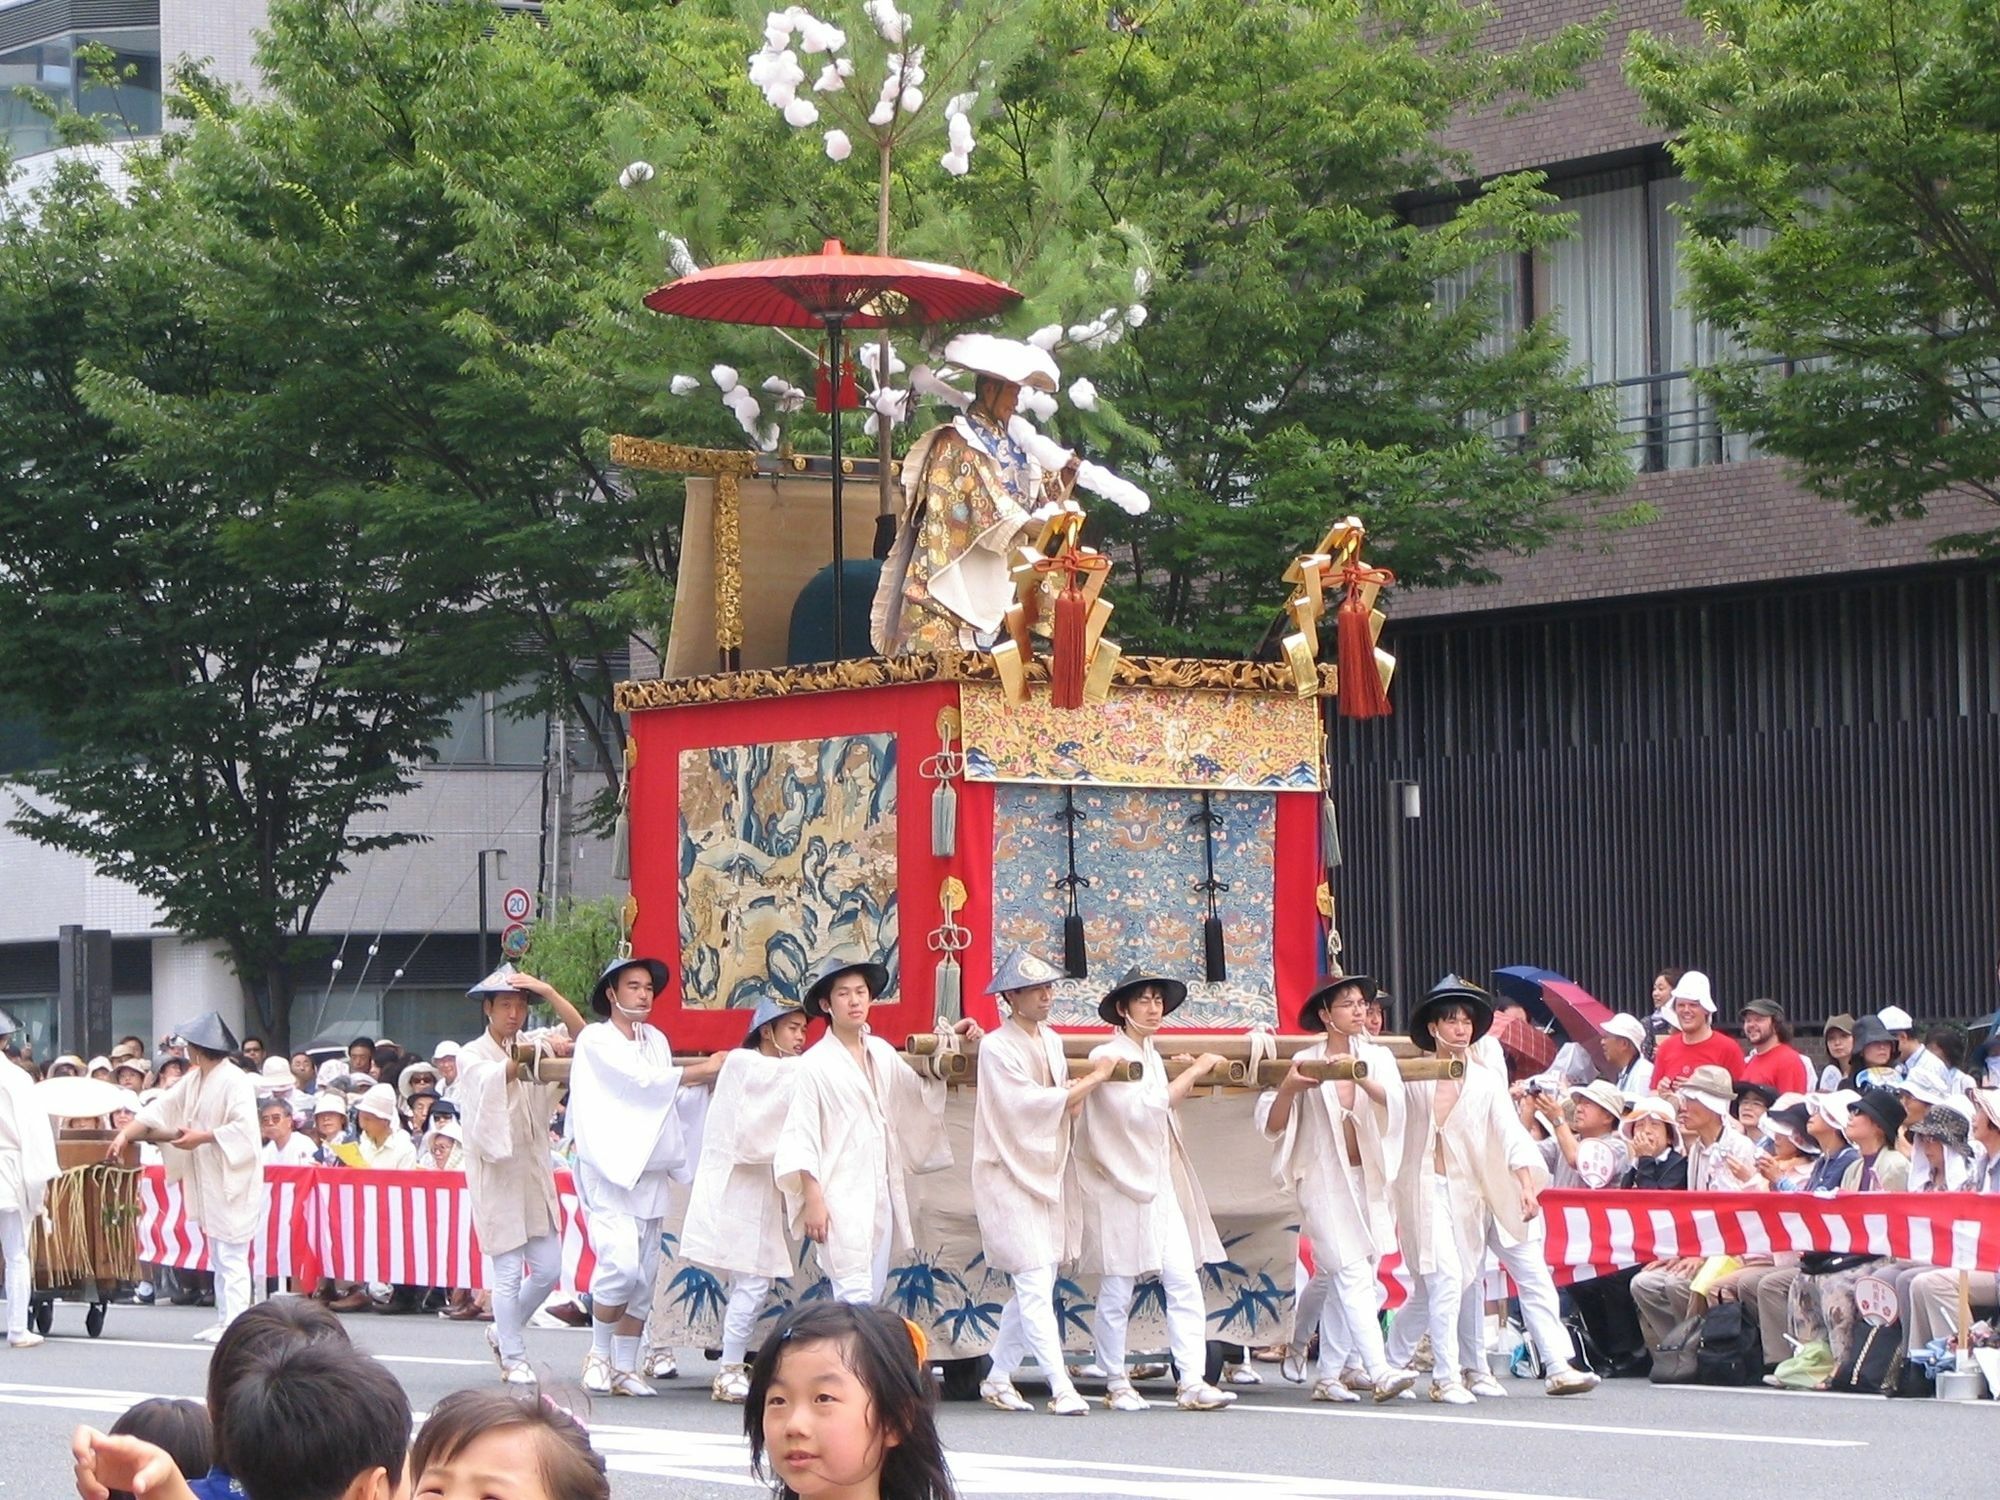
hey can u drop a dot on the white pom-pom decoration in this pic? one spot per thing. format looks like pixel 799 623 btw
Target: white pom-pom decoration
pixel 959 104
pixel 801 113
pixel 338 966
pixel 838 146
pixel 1042 448
pixel 1135 315
pixel 1083 395
pixel 890 23
pixel 912 100
pixel 1142 280
pixel 830 81
pixel 869 356
pixel 636 173
pixel 1038 404
pixel 1046 338
pixel 955 163
pixel 680 257
pixel 1106 485
pixel 724 377
pixel 680 385
pixel 882 113
pixel 927 382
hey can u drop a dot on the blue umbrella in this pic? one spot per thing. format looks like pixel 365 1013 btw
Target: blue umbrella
pixel 1523 983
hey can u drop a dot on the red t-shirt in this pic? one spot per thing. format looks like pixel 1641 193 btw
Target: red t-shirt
pixel 1674 1058
pixel 1782 1068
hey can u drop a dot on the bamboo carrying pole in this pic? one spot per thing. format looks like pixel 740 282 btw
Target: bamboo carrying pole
pixel 1234 1045
pixel 960 1069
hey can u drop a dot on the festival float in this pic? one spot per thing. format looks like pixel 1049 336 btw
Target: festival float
pixel 789 798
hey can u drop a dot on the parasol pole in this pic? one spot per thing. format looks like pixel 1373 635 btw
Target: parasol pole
pixel 885 507
pixel 833 322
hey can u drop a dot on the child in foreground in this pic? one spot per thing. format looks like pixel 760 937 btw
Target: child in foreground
pixel 478 1444
pixel 312 1422
pixel 841 1408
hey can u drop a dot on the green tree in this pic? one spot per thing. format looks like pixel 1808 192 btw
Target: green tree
pixel 233 661
pixel 1243 173
pixel 1846 226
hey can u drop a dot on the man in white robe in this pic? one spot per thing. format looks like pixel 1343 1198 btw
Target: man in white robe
pixel 1139 1207
pixel 505 1116
pixel 27 1166
pixel 860 1122
pixel 1020 1158
pixel 1471 1178
pixel 208 1122
pixel 624 1116
pixel 1338 1146
pixel 735 1224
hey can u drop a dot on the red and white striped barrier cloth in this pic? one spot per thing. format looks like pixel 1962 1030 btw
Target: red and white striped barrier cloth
pixel 415 1229
pixel 403 1228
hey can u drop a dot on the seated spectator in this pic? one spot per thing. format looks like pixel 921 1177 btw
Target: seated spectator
pixel 129 1073
pixel 1826 1123
pixel 1652 1131
pixel 1875 1055
pixel 1696 1043
pixel 1584 1148
pixel 471 1436
pixel 305 1074
pixel 446 1148
pixel 1772 1060
pixel 384 1145
pixel 1720 1159
pixel 417 1109
pixel 1941 1152
pixel 1913 1056
pixel 329 1127
pixel 1748 1106
pixel 1918 1093
pixel 1988 1060
pixel 1794 1150
pixel 1660 1023
pixel 67 1066
pixel 283 1146
pixel 1928 1295
pixel 1624 1042
pixel 1822 1297
pixel 1947 1044
pixel 1837 1036
pixel 361 1056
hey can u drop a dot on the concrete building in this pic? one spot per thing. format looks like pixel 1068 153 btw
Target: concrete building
pixel 1751 735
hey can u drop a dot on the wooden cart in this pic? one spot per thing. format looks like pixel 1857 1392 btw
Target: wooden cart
pixel 84 1248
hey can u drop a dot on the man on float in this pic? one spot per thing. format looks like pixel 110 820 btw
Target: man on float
pixel 1470 1175
pixel 735 1222
pixel 1020 1154
pixel 971 495
pixel 208 1123
pixel 1339 1144
pixel 860 1121
pixel 509 1177
pixel 625 1097
pixel 1139 1206
pixel 27 1166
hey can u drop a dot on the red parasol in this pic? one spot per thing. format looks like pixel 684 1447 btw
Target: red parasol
pixel 836 291
pixel 1526 1047
pixel 1581 1015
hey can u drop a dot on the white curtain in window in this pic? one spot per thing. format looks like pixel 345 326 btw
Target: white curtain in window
pixel 1693 431
pixel 1598 293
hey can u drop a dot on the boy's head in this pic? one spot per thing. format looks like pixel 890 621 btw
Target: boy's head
pixel 179 1427
pixel 318 1422
pixel 472 1436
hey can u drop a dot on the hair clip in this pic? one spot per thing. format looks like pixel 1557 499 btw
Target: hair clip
pixel 920 1342
pixel 550 1404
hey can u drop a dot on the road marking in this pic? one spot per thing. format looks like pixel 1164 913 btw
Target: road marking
pixel 1363 1414
pixel 714 1458
pixel 188 1346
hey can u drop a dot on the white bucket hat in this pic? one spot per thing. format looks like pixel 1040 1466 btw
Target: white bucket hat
pixel 379 1101
pixel 1694 986
pixel 1627 1028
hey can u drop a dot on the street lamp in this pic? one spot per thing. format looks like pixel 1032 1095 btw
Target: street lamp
pixel 499 855
pixel 1405 801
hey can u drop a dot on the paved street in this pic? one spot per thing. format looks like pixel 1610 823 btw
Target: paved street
pixel 1631 1442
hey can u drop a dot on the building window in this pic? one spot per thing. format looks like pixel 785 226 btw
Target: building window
pixel 490 730
pixel 1614 290
pixel 127 107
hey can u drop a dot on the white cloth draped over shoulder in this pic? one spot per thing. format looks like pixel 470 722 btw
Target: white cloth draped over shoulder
pixel 1020 1148
pixel 625 1117
pixel 736 1221
pixel 27 1143
pixel 508 1174
pixel 1346 1220
pixel 858 1130
pixel 221 1183
pixel 1134 1184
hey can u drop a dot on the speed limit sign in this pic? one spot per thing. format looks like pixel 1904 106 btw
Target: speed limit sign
pixel 516 905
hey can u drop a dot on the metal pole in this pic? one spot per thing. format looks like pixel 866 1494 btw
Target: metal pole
pixel 485 965
pixel 1396 902
pixel 839 515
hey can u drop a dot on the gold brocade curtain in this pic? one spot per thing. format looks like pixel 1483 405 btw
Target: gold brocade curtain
pixel 727 467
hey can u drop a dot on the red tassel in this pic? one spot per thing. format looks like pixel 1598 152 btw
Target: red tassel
pixel 1360 691
pixel 1066 656
pixel 850 393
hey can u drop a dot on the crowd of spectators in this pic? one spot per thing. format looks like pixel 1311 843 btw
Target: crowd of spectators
pixel 1893 1108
